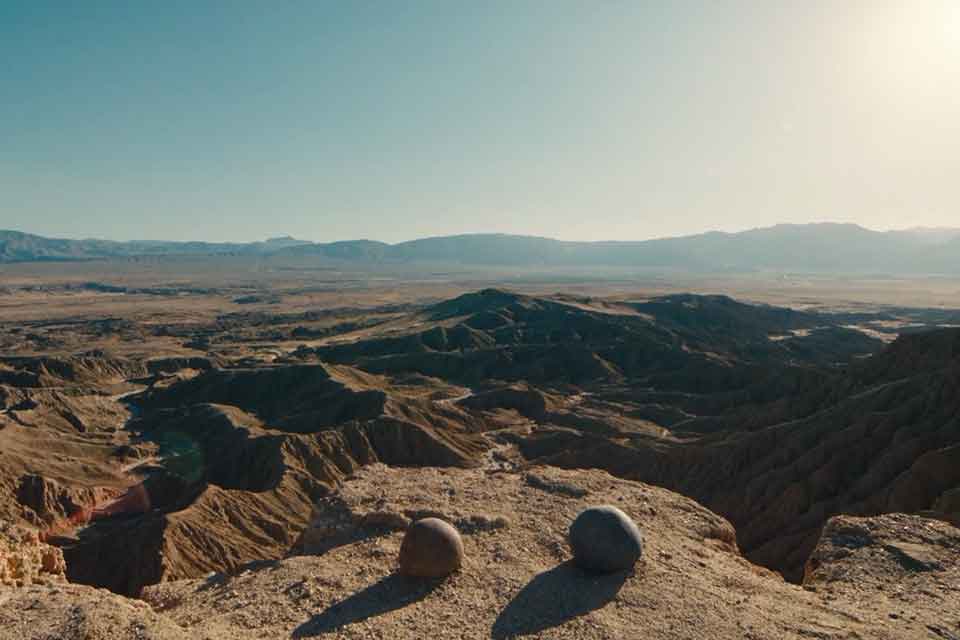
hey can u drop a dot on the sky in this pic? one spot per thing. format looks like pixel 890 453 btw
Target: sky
pixel 240 120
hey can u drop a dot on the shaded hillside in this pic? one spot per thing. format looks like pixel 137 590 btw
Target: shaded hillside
pixel 692 343
pixel 883 437
pixel 232 483
pixel 60 428
pixel 294 398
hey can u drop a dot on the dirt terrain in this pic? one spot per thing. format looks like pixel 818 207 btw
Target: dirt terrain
pixel 879 578
pixel 157 430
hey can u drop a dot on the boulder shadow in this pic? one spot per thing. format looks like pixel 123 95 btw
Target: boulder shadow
pixel 393 592
pixel 554 597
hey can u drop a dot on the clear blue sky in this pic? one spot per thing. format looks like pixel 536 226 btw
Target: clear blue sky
pixel 239 120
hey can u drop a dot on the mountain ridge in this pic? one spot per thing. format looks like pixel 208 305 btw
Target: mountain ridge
pixel 818 247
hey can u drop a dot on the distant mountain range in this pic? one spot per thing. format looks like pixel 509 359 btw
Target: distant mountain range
pixel 825 247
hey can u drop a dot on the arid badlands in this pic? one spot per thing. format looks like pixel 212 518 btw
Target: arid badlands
pixel 225 450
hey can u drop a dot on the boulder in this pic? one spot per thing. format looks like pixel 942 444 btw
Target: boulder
pixel 605 539
pixel 431 548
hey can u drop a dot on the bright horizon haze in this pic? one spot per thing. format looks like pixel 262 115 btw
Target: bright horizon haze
pixel 238 121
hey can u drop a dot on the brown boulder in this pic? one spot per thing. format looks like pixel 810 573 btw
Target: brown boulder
pixel 432 548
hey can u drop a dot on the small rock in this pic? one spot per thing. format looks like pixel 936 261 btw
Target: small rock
pixel 386 519
pixel 431 548
pixel 605 539
pixel 555 486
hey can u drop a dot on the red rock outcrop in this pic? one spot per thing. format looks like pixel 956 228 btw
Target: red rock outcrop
pixel 24 559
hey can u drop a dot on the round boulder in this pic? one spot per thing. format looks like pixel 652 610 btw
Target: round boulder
pixel 605 539
pixel 431 548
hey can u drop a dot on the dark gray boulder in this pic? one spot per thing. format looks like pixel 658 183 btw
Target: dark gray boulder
pixel 605 539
